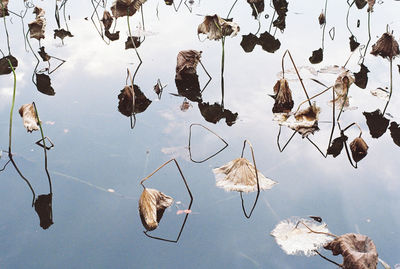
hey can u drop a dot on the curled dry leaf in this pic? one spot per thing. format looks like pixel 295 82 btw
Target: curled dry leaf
pixel 5 67
pixel 281 8
pixel 187 61
pixel 107 20
pixel 43 84
pixel 268 42
pixel 186 79
pixel 295 238
pixel 358 251
pixel 112 36
pixel 359 149
pixel 283 97
pixel 3 8
pixel 386 47
pixel 43 207
pixel 132 42
pixel 361 4
pixel 257 6
pixel 249 42
pixel 353 43
pixel 152 204
pixel 37 27
pixel 121 8
pixel 361 78
pixel 395 132
pixel 28 115
pixel 214 113
pixel 127 106
pixel 317 56
pixel 371 4
pixel 337 145
pixel 304 121
pixel 376 122
pixel 215 27
pixel 321 19
pixel 62 33
pixel 45 57
pixel 239 175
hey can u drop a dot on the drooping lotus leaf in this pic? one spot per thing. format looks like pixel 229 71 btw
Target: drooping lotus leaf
pixel 37 27
pixel 214 113
pixel 257 7
pixel 359 149
pixel 187 61
pixel 337 145
pixel 395 132
pixel 281 8
pixel 343 83
pixel 376 122
pixel 304 121
pixel 152 204
pixel 126 105
pixel 283 97
pixel 28 114
pixel 249 42
pixel 188 86
pixel 386 47
pixel 361 4
pixel 113 36
pixel 3 8
pixel 215 27
pixel 122 8
pixel 361 77
pixel 107 20
pixel 358 251
pixel 317 56
pixel 5 67
pixel 268 42
pixel 45 57
pixel 132 42
pixel 353 43
pixel 239 175
pixel 62 33
pixel 43 84
pixel 321 19
pixel 43 207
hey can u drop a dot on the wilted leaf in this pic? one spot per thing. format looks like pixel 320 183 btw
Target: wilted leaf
pixel 249 42
pixel 361 78
pixel 107 20
pixel 376 122
pixel 239 175
pixel 358 251
pixel 28 115
pixel 281 8
pixel 62 33
pixel 214 113
pixel 395 132
pixel 353 43
pixel 257 6
pixel 361 4
pixel 268 42
pixel 3 8
pixel 45 57
pixel 371 4
pixel 215 27
pixel 188 86
pixel 380 93
pixel 43 84
pixel 187 61
pixel 359 149
pixel 321 19
pixel 386 47
pixel 337 145
pixel 121 8
pixel 295 238
pixel 283 97
pixel 304 121
pixel 43 207
pixel 343 83
pixel 132 42
pixel 37 27
pixel 113 36
pixel 5 67
pixel 317 56
pixel 152 204
pixel 126 105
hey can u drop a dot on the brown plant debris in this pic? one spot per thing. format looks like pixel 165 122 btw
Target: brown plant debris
pixel 5 67
pixel 376 122
pixel 112 36
pixel 37 27
pixel 43 84
pixel 127 106
pixel 361 4
pixel 3 8
pixel 321 19
pixel 283 97
pixel 353 43
pixel 107 20
pixel 122 8
pixel 371 4
pixel 281 8
pixel 43 207
pixel 214 113
pixel 185 106
pixel 395 132
pixel 28 115
pixel 386 47
pixel 152 204
pixel 337 145
pixel 358 251
pixel 268 42
pixel 317 56
pixel 361 77
pixel 132 42
pixel 257 7
pixel 249 42
pixel 45 57
pixel 359 149
pixel 187 61
pixel 215 27
pixel 62 33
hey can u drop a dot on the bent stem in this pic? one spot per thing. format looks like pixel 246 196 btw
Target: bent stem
pixel 287 143
pixel 327 259
pixel 297 72
pixel 134 46
pixel 391 85
pixel 323 28
pixel 258 19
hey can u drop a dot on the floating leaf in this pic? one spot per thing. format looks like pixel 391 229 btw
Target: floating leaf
pixel 343 83
pixel 37 27
pixel 395 132
pixel 386 47
pixel 268 42
pixel 353 43
pixel 283 97
pixel 337 145
pixel 304 121
pixel 293 236
pixel 361 78
pixel 215 27
pixel 62 33
pixel 188 86
pixel 359 149
pixel 358 251
pixel 249 42
pixel 121 8
pixel 214 113
pixel 5 67
pixel 376 122
pixel 28 114
pixel 152 204
pixel 317 56
pixel 43 207
pixel 239 175
pixel 43 84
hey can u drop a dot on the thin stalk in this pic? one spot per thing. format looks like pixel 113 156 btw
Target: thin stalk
pixel 323 28
pixel 329 260
pixel 391 85
pixel 134 46
pixel 222 71
pixel 369 37
pixel 5 27
pixel 272 20
pixel 347 17
pixel 24 178
pixel 309 99
pixel 229 13
pixel 311 230
pixel 258 19
pixel 209 76
pixel 287 143
pixel 12 108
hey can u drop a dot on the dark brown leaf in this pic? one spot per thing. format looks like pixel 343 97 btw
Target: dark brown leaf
pixel 353 43
pixel 361 78
pixel 3 8
pixel 43 84
pixel 361 4
pixel 337 145
pixel 126 105
pixel 317 56
pixel 268 42
pixel 359 149
pixel 386 47
pixel 5 67
pixel 395 132
pixel 132 43
pixel 107 20
pixel 214 113
pixel 249 42
pixel 45 57
pixel 111 36
pixel 281 8
pixel 283 97
pixel 121 8
pixel 376 122
pixel 62 33
pixel 43 207
pixel 257 6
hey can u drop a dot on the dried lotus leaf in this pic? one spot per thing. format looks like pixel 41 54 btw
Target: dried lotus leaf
pixel 28 114
pixel 152 204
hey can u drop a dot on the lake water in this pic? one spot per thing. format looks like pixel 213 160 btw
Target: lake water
pixel 98 161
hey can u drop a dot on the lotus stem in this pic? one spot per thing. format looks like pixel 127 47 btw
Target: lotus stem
pixel 12 107
pixel 308 100
pixel 24 178
pixel 311 230
pixel 5 27
pixel 229 13
pixel 347 17
pixel 222 71
pixel 258 19
pixel 369 37
pixel 391 85
pixel 272 20
pixel 323 28
pixel 134 46
pixel 329 260
pixel 354 123
pixel 287 143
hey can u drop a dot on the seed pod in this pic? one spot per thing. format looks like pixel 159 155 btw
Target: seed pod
pixel 359 149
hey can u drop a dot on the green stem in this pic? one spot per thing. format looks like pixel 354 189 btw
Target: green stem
pixel 12 108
